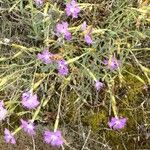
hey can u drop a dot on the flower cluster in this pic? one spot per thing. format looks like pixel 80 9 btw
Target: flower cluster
pixel 30 101
pixel 45 57
pixel 72 9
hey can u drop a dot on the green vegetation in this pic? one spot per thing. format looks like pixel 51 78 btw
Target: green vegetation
pixel 121 28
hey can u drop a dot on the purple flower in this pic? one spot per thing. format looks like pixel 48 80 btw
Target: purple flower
pixel 87 33
pixel 9 137
pixel 53 138
pixel 39 2
pixel 98 85
pixel 112 63
pixel 62 67
pixel 88 39
pixel 62 29
pixel 29 100
pixel 72 9
pixel 3 111
pixel 117 123
pixel 45 57
pixel 28 127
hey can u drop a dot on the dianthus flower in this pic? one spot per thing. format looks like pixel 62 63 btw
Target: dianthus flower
pixel 112 63
pixel 29 100
pixel 53 138
pixel 62 67
pixel 72 9
pixel 62 29
pixel 87 34
pixel 3 111
pixel 117 123
pixel 98 85
pixel 45 57
pixel 9 137
pixel 28 127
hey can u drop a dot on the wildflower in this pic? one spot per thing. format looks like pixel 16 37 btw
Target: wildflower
pixel 62 67
pixel 45 56
pixel 53 138
pixel 28 127
pixel 72 9
pixel 87 33
pixel 9 137
pixel 3 111
pixel 39 2
pixel 88 39
pixel 117 123
pixel 62 29
pixel 98 85
pixel 29 100
pixel 112 63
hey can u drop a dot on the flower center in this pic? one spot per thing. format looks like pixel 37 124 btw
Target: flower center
pixel 46 56
pixel 117 122
pixel 53 138
pixel 30 126
pixel 63 31
pixel 72 10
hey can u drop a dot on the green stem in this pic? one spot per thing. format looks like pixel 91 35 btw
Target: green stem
pixel 58 113
pixel 76 58
pixel 90 73
pixel 113 103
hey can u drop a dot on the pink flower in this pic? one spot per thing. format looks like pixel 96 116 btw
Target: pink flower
pixel 53 138
pixel 87 35
pixel 45 57
pixel 72 9
pixel 62 67
pixel 3 111
pixel 9 137
pixel 29 100
pixel 117 123
pixel 88 39
pixel 112 63
pixel 98 85
pixel 28 127
pixel 62 29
